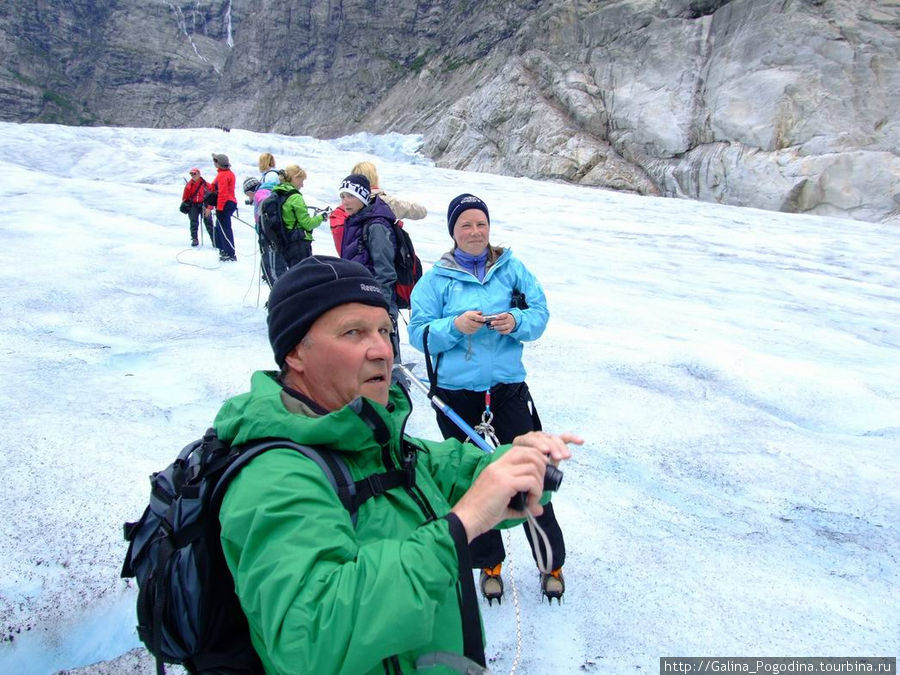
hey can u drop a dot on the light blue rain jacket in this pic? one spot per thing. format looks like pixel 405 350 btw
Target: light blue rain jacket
pixel 477 361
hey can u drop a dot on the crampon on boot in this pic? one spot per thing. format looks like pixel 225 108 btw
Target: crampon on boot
pixel 553 585
pixel 492 584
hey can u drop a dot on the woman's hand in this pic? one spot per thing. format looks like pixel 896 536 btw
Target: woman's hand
pixel 473 320
pixel 503 323
pixel 469 322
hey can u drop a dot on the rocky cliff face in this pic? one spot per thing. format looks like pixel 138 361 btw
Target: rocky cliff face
pixel 123 63
pixel 780 104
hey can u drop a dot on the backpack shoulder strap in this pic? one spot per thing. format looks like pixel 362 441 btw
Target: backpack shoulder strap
pixel 281 196
pixel 391 226
pixel 200 185
pixel 334 468
pixel 351 493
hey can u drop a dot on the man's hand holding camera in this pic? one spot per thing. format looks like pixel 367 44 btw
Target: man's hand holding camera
pixel 520 469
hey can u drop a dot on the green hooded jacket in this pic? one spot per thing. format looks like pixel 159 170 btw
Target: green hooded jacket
pixel 294 212
pixel 321 595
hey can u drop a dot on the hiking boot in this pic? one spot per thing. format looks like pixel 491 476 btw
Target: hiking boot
pixel 553 585
pixel 492 584
pixel 194 242
pixel 227 258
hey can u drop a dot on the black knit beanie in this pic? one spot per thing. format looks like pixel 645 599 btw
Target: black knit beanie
pixel 464 202
pixel 308 290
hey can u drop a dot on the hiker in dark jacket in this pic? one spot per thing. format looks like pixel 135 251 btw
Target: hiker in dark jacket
pixel 193 194
pixel 369 240
pixel 402 208
pixel 475 337
pixel 392 592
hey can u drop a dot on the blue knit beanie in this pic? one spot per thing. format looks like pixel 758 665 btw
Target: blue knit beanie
pixel 464 202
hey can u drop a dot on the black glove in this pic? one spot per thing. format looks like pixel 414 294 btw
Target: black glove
pixel 325 213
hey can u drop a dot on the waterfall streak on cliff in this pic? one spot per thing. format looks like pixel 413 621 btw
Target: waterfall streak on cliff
pixel 183 25
pixel 230 39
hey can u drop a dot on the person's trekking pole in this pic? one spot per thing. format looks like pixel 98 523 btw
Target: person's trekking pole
pixel 552 475
pixel 241 220
pixel 439 405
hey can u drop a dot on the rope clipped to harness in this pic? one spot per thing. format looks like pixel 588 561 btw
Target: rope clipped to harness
pixel 484 436
pixel 552 476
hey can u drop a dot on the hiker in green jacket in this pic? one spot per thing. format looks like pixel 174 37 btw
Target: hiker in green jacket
pixel 298 224
pixel 394 591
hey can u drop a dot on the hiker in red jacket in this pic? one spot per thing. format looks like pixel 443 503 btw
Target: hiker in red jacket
pixel 194 192
pixel 226 204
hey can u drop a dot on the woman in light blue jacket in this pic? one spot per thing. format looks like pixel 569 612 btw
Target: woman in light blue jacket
pixel 470 314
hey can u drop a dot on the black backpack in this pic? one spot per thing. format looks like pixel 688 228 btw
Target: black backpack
pixel 187 609
pixel 271 221
pixel 406 262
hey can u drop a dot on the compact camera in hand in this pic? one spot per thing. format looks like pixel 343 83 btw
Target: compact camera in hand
pixel 552 480
pixel 489 319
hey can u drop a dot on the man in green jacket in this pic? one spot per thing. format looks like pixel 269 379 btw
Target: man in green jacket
pixel 394 591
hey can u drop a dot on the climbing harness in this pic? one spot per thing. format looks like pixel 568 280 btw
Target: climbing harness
pixel 486 429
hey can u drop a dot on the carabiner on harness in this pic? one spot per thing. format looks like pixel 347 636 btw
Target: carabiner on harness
pixel 486 428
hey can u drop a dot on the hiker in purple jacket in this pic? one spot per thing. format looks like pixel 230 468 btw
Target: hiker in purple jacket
pixel 368 239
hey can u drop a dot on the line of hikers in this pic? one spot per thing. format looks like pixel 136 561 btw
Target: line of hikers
pixel 290 240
